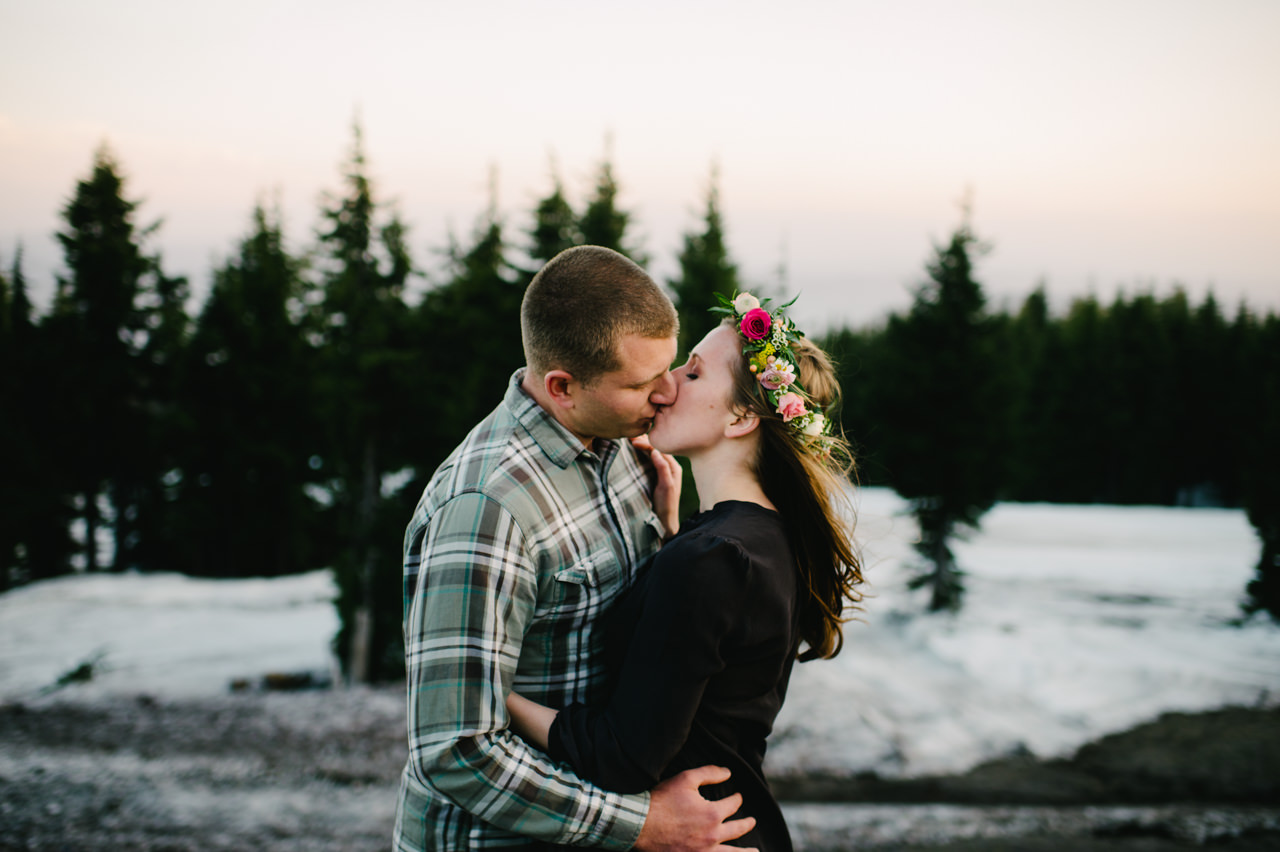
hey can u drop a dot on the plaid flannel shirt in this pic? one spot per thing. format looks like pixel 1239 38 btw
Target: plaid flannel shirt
pixel 521 540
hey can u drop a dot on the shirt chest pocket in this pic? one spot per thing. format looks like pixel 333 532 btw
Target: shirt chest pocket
pixel 581 588
pixel 651 536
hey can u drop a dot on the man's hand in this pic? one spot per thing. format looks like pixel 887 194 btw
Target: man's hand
pixel 668 479
pixel 680 820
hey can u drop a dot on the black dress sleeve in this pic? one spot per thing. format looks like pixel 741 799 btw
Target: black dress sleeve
pixel 691 601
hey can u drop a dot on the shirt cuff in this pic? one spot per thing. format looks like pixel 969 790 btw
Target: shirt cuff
pixel 623 832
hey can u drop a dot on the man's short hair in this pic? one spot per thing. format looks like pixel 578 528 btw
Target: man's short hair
pixel 581 304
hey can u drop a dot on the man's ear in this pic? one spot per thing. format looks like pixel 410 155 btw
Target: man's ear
pixel 743 423
pixel 560 387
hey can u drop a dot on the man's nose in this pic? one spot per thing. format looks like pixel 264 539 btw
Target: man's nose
pixel 665 392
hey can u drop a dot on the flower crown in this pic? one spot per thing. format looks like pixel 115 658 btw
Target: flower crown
pixel 767 339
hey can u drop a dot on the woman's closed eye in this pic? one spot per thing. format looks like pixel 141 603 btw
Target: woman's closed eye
pixel 692 367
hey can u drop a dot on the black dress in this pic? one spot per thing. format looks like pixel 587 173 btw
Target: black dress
pixel 700 650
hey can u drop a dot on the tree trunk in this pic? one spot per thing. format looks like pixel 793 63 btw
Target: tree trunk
pixel 91 524
pixel 365 557
pixel 944 568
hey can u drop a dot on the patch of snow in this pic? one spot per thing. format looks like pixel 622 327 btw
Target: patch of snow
pixel 1078 621
pixel 164 634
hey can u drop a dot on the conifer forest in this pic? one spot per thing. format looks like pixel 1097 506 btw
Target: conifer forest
pixel 289 419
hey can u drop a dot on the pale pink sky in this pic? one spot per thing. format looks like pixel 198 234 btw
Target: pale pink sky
pixel 1123 144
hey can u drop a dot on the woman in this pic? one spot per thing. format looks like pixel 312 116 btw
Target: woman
pixel 701 648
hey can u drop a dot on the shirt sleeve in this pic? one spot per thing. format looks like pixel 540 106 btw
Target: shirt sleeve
pixel 689 607
pixel 475 594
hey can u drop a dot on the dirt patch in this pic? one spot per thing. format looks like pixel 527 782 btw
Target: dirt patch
pixel 297 771
pixel 317 771
pixel 1228 756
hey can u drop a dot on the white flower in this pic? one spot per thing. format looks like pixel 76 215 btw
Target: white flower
pixel 778 333
pixel 815 425
pixel 745 302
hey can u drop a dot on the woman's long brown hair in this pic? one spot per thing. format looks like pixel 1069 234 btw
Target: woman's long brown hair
pixel 811 490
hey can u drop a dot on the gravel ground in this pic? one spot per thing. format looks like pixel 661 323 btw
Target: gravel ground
pixel 317 771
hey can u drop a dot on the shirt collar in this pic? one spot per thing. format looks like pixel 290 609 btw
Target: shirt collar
pixel 558 444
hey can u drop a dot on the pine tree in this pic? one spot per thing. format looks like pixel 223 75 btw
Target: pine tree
pixel 158 366
pixel 6 311
pixel 107 309
pixel 1237 419
pixel 944 409
pixel 705 269
pixel 1030 340
pixel 1147 427
pixel 477 310
pixel 364 355
pixel 11 432
pixel 1206 397
pixel 603 223
pixel 1260 460
pixel 857 354
pixel 35 540
pixel 555 228
pixel 239 505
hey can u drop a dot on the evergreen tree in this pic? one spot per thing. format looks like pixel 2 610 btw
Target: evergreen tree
pixel 11 431
pixel 239 508
pixel 1071 456
pixel 944 409
pixel 603 223
pixel 106 311
pixel 167 327
pixel 477 311
pixel 1237 417
pixel 1260 460
pixel 35 541
pixel 705 269
pixel 6 310
pixel 365 354
pixel 1207 400
pixel 1143 430
pixel 857 355
pixel 1032 344
pixel 555 228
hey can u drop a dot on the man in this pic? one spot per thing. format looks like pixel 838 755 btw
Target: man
pixel 523 537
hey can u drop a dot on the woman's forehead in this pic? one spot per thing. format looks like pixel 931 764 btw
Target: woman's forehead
pixel 720 344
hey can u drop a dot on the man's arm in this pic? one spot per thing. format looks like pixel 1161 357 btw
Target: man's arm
pixel 474 597
pixel 679 817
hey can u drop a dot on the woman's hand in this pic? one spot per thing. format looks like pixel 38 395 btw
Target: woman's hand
pixel 530 720
pixel 668 480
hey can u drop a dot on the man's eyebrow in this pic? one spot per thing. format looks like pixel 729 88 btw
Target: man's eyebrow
pixel 649 381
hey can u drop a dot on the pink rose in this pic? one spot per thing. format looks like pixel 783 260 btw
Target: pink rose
pixel 755 325
pixel 791 405
pixel 774 378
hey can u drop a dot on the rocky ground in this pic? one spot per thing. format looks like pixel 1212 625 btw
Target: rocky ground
pixel 317 771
